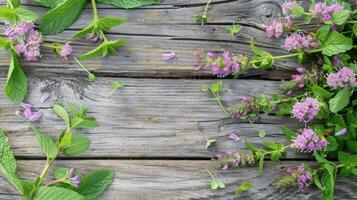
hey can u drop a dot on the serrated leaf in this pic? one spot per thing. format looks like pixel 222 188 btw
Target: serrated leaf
pixel 47 145
pixel 355 29
pixel 352 146
pixel 61 112
pixel 130 3
pixel 50 3
pixel 106 48
pixel 7 159
pixel 25 15
pixel 261 59
pixel 108 22
pixel 336 43
pixel 340 17
pixel 79 144
pixel 61 17
pixel 83 32
pixel 15 3
pixel 289 133
pixel 321 92
pixel 16 84
pixel 56 193
pixel 61 173
pixel 94 184
pixel 340 100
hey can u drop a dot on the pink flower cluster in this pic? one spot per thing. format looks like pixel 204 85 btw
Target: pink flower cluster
pixel 343 78
pixel 308 141
pixel 30 116
pixel 276 29
pixel 299 42
pixel 324 11
pixel 307 110
pixel 245 107
pixel 236 159
pixel 301 175
pixel 26 39
pixel 221 65
pixel 287 7
pixel 66 51
pixel 299 78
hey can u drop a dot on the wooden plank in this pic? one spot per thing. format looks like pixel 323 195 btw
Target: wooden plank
pixel 146 118
pixel 162 179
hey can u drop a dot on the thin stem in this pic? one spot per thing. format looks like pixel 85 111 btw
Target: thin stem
pixel 95 12
pixel 82 66
pixel 351 22
pixel 55 182
pixel 103 36
pixel 10 4
pixel 220 102
pixel 111 92
pixel 213 178
pixel 206 8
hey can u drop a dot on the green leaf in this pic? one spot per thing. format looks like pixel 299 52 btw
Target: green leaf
pixel 262 133
pixel 16 85
pixel 321 92
pixel 7 159
pixel 65 139
pixel 109 22
pixel 55 193
pixel 340 17
pixel 328 179
pixel 117 84
pixel 289 133
pixel 8 14
pixel 298 11
pixel 336 43
pixel 61 112
pixel 261 164
pixel 61 17
pixel 4 42
pixel 47 145
pixel 332 143
pixel 106 48
pixel 340 100
pixel 244 187
pixel 94 184
pixel 130 3
pixel 355 29
pixel 251 147
pixel 214 185
pixel 25 15
pixel 347 159
pixel 210 143
pixel 61 173
pixel 217 87
pixel 201 19
pixel 79 144
pixel 50 3
pixel 261 59
pixel 234 29
pixel 352 146
pixel 89 29
pixel 15 3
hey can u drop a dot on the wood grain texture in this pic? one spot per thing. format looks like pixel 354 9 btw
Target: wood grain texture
pixel 162 179
pixel 146 118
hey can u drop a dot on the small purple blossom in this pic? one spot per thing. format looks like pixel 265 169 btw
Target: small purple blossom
pixel 26 106
pixel 75 179
pixel 288 6
pixel 169 55
pixel 299 42
pixel 308 141
pixel 276 29
pixel 307 110
pixel 66 50
pixel 302 176
pixel 44 97
pixel 29 115
pixel 343 78
pixel 235 159
pixel 336 61
pixel 234 137
pixel 244 107
pixel 26 39
pixel 341 132
pixel 301 70
pixel 324 12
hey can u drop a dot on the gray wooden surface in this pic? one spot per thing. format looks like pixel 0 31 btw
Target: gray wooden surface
pixel 149 129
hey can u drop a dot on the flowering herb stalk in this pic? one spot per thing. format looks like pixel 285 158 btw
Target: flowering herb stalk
pixel 321 96
pixel 67 183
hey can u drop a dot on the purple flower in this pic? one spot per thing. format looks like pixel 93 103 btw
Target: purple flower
pixel 301 70
pixel 26 39
pixel 169 55
pixel 29 115
pixel 299 42
pixel 276 29
pixel 246 106
pixel 234 137
pixel 343 78
pixel 336 61
pixel 75 179
pixel 341 132
pixel 302 176
pixel 44 97
pixel 66 51
pixel 288 6
pixel 235 159
pixel 26 106
pixel 308 141
pixel 307 110
pixel 299 79
pixel 324 12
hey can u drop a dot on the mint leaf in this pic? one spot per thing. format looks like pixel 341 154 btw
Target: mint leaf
pixel 109 22
pixel 321 92
pixel 95 183
pixel 210 143
pixel 55 193
pixel 352 146
pixel 8 14
pixel 15 3
pixel 261 59
pixel 17 14
pixel 130 3
pixel 61 17
pixel 340 100
pixel 336 43
pixel 7 159
pixel 328 179
pixel 47 145
pixel 16 85
pixel 298 11
pixel 244 187
pixel 355 29
pixel 234 29
pixel 61 173
pixel 50 3
pixel 4 42
pixel 289 133
pixel 340 17
pixel 79 144
pixel 106 48
pixel 60 111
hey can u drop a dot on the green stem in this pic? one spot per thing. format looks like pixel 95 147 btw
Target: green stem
pixel 205 11
pixel 220 102
pixel 82 66
pixel 55 182
pixel 95 12
pixel 10 3
pixel 111 92
pixel 211 175
pixel 352 22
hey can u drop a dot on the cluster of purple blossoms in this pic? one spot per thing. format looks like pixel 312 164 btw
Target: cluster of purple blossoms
pixel 324 12
pixel 66 51
pixel 221 65
pixel 308 141
pixel 307 110
pixel 288 6
pixel 26 39
pixel 343 78
pixel 299 42
pixel 246 106
pixel 235 159
pixel 276 28
pixel 29 114
pixel 299 78
pixel 302 176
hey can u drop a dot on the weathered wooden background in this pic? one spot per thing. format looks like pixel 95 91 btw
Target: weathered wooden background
pixel 149 133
